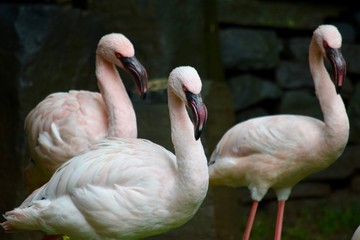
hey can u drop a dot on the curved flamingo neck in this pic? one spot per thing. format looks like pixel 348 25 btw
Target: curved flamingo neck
pixel 190 156
pixel 122 119
pixel 332 106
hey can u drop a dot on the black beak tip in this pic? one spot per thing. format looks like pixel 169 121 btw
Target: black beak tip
pixel 338 89
pixel 198 134
pixel 143 96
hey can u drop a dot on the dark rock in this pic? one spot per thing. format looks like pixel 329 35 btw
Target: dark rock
pixel 300 102
pixel 351 53
pixel 248 90
pixel 43 49
pixel 310 190
pixel 294 75
pixel 60 54
pixel 278 14
pixel 299 48
pixel 355 184
pixel 354 115
pixel 246 49
pixel 250 113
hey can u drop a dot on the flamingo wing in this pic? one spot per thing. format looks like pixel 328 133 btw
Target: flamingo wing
pixel 278 135
pixel 60 127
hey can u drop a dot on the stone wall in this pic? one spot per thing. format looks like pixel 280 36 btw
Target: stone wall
pixel 252 56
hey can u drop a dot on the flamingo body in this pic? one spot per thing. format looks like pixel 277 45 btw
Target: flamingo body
pixel 266 152
pixel 124 188
pixel 279 151
pixel 65 124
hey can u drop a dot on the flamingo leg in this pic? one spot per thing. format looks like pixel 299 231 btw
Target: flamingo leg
pixel 250 220
pixel 279 220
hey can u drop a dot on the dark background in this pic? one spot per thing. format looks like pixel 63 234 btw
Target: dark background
pixel 252 57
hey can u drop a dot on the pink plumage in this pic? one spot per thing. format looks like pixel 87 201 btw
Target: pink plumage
pixel 127 188
pixel 65 124
pixel 279 151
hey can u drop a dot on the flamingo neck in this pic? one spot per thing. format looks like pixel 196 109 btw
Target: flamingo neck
pixel 122 119
pixel 191 160
pixel 332 106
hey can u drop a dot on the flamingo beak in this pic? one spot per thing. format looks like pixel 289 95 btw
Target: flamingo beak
pixel 138 72
pixel 338 66
pixel 199 112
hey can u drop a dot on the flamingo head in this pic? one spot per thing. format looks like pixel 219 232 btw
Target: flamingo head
pixel 329 39
pixel 118 49
pixel 186 84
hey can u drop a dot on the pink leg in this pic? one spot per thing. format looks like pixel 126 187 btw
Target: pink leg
pixel 279 220
pixel 250 220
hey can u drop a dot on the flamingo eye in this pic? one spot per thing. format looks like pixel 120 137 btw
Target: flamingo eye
pixel 118 55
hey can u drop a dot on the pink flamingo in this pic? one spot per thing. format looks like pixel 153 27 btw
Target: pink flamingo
pixel 279 151
pixel 65 124
pixel 127 188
